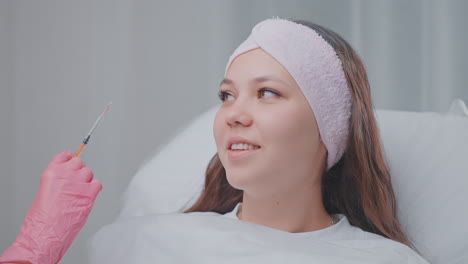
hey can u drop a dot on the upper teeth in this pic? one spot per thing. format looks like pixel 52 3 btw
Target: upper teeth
pixel 243 146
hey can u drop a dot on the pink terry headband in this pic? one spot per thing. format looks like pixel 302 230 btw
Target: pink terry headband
pixel 317 70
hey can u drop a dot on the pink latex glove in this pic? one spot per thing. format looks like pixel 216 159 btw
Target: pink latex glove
pixel 66 195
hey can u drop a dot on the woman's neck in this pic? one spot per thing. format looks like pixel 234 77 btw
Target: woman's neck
pixel 290 213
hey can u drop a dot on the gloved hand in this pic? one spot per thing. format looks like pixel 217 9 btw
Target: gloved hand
pixel 66 195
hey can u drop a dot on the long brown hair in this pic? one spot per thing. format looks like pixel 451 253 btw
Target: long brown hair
pixel 358 185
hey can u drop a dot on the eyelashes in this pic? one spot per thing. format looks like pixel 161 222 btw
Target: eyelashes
pixel 222 94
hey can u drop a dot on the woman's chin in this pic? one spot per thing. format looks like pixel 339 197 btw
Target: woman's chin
pixel 238 180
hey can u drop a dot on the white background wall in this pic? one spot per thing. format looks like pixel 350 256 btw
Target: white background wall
pixel 160 62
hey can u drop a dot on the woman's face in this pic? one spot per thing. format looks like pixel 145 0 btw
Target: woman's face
pixel 263 104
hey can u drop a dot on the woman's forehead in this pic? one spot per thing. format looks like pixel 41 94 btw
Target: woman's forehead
pixel 257 66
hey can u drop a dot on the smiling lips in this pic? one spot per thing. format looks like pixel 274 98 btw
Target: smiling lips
pixel 240 153
pixel 239 140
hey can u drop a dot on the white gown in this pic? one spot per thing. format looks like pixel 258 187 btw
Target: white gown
pixel 210 237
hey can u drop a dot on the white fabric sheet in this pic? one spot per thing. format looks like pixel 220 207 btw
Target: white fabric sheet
pixel 210 237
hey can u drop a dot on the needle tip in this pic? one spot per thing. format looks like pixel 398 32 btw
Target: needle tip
pixel 107 107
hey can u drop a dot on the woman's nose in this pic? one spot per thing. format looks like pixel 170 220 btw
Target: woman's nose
pixel 239 114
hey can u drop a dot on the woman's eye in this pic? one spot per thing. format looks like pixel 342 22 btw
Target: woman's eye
pixel 263 90
pixel 222 94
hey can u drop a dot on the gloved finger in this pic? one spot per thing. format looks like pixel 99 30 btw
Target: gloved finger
pixel 75 163
pixel 83 189
pixel 96 187
pixel 62 157
pixel 84 174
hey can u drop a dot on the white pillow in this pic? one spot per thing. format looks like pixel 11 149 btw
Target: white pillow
pixel 427 154
pixel 428 158
pixel 172 180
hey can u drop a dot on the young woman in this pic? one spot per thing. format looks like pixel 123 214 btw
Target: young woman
pixel 298 151
pixel 297 99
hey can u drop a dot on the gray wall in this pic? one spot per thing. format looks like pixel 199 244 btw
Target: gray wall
pixel 160 62
pixel 8 201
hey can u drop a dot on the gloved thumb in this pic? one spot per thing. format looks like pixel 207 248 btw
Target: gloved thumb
pixel 62 157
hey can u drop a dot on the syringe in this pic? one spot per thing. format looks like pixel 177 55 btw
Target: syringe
pixel 86 140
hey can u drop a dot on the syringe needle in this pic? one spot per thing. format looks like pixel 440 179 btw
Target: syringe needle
pixel 95 125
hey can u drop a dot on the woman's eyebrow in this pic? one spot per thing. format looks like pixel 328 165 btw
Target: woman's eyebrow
pixel 259 79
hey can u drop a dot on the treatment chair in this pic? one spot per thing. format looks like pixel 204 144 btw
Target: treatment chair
pixel 427 153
